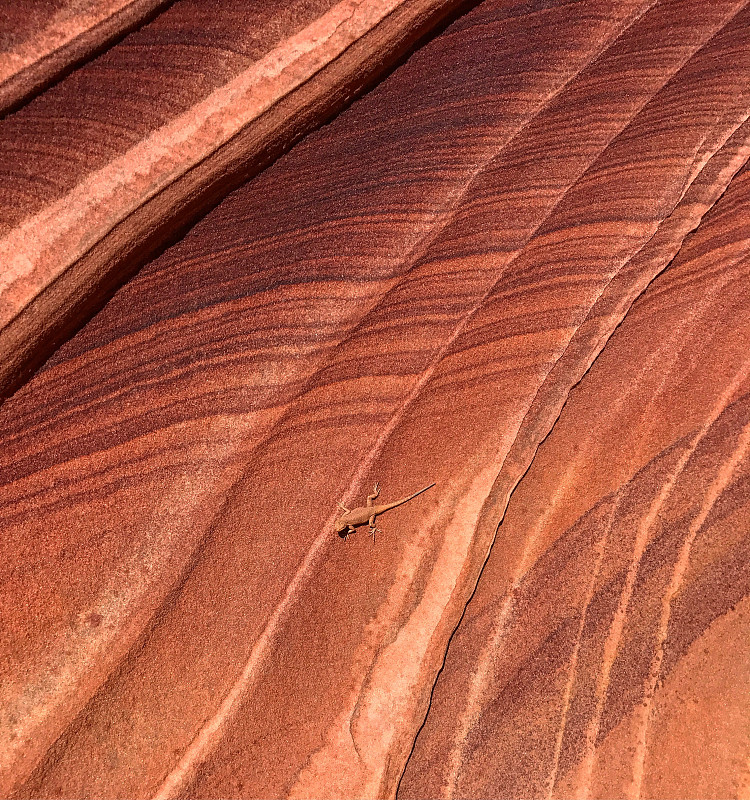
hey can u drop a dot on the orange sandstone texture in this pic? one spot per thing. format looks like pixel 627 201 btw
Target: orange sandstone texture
pixel 604 652
pixel 411 295
pixel 42 39
pixel 116 160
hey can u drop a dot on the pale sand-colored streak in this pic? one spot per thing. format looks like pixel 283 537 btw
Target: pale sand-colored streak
pixel 573 669
pixel 713 493
pixel 381 707
pixel 483 672
pixel 63 27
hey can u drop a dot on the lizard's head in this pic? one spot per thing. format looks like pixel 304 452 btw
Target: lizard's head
pixel 340 526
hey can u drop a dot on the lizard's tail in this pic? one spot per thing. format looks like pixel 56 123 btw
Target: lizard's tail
pixel 410 497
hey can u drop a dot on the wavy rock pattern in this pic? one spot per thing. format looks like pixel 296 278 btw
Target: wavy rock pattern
pixel 43 40
pixel 518 268
pixel 115 161
pixel 633 526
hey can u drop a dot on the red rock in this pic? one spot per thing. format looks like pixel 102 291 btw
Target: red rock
pixel 117 160
pixel 482 274
pixel 43 40
pixel 620 559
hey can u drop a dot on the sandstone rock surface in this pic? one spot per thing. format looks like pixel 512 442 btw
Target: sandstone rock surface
pixel 43 40
pixel 518 268
pixel 116 160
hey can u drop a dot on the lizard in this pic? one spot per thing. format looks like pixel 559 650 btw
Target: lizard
pixel 353 518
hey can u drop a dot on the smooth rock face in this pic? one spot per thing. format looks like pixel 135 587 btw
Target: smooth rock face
pixel 116 161
pixel 517 268
pixel 44 39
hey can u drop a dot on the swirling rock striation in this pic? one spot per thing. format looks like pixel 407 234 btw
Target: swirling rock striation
pixel 118 159
pixel 517 268
pixel 607 631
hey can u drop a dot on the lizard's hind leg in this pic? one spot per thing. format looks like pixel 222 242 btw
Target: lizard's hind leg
pixel 373 529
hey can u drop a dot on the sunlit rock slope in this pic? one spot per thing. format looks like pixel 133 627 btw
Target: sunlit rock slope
pixel 116 160
pixel 518 268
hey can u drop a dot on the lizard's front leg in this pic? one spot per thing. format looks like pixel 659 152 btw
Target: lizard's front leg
pixel 375 493
pixel 350 529
pixel 373 529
